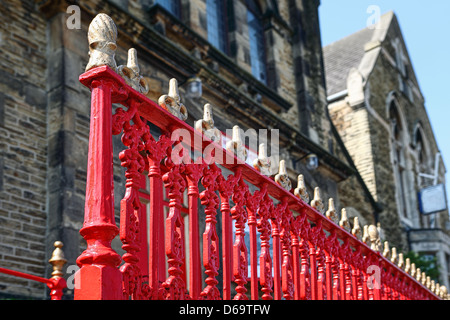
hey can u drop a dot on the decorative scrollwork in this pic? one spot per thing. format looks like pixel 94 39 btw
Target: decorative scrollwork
pixel 239 214
pixel 211 262
pixel 175 184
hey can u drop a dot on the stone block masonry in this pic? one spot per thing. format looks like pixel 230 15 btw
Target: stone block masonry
pixel 23 147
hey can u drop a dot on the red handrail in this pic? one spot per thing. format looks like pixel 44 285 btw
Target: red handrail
pixel 25 275
pixel 56 283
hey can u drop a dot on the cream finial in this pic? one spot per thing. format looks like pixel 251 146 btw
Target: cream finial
pixel 102 36
pixel 401 261
pixel 130 73
pixel 263 164
pixel 356 231
pixel 331 212
pixel 282 177
pixel 374 238
pixel 365 236
pixel 394 255
pixel 317 202
pixel 386 250
pixel 206 125
pixel 236 146
pixel 344 223
pixel 301 191
pixel 172 101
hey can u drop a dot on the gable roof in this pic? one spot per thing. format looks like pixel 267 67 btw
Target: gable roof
pixel 350 52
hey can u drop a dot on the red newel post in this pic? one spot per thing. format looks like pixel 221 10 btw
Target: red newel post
pixel 99 277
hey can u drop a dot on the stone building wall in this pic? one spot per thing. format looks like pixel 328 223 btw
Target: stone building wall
pixel 23 144
pixel 387 160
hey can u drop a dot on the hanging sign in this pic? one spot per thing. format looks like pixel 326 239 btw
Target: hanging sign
pixel 432 199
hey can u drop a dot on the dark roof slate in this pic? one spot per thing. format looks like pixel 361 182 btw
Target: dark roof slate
pixel 343 55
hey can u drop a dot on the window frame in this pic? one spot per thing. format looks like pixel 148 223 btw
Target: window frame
pixel 256 11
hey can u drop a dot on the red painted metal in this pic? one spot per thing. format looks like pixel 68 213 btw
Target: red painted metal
pixel 56 284
pixel 302 254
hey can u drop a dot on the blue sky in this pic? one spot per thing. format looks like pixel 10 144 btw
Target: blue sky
pixel 426 29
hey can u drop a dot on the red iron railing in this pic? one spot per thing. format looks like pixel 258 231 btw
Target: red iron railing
pixel 56 283
pixel 312 255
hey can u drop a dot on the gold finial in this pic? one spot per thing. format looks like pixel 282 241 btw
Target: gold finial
pixel 433 286
pixel 413 270
pixel 57 260
pixel 102 36
pixel 401 261
pixel 344 223
pixel 130 73
pixel 331 212
pixel 282 177
pixel 418 274
pixel 443 293
pixel 301 191
pixel 172 101
pixel 317 202
pixel 263 163
pixel 236 146
pixel 408 267
pixel 374 238
pixel 428 282
pixel 206 125
pixel 423 278
pixel 356 231
pixel 386 251
pixel 394 255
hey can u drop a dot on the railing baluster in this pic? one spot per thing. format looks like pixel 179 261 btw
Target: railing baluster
pixel 226 188
pixel 156 151
pixel 265 260
pixel 321 271
pixel 240 261
pixel 295 231
pixel 175 184
pixel 253 204
pixel 211 260
pixel 286 266
pixel 276 219
pixel 193 174
pixel 131 213
pixel 305 292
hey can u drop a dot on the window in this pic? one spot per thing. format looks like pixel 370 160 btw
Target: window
pixel 173 6
pixel 215 17
pixel 397 136
pixel 420 149
pixel 256 37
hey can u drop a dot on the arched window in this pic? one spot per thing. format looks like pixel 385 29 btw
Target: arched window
pixel 420 149
pixel 256 37
pixel 216 24
pixel 173 6
pixel 398 152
